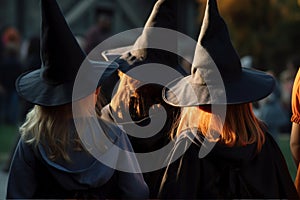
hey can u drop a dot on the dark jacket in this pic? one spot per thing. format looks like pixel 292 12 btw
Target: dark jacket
pixel 34 175
pixel 227 172
pixel 154 167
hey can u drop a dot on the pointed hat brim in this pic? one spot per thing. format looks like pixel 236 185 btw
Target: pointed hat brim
pixel 33 88
pixel 251 86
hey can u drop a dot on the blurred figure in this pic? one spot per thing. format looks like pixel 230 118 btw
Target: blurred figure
pixel 271 111
pixel 1 41
pixel 2 90
pixel 10 68
pixel 247 62
pixel 100 31
pixel 287 78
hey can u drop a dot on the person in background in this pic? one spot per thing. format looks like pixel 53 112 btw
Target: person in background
pixel 10 69
pixel 271 111
pixel 248 62
pixel 295 132
pixel 55 155
pixel 222 151
pixel 100 31
pixel 287 78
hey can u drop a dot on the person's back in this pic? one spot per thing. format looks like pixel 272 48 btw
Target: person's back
pixel 244 162
pixel 221 149
pixel 54 162
pixel 66 149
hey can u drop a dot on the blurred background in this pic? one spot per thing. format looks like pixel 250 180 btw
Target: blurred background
pixel 266 34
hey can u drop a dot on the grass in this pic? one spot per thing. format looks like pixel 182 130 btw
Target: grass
pixel 9 135
pixel 284 144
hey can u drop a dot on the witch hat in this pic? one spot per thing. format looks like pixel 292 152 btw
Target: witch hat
pixel 61 56
pixel 164 15
pixel 217 76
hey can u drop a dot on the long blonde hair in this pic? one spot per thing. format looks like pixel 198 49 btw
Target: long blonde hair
pixel 50 126
pixel 240 128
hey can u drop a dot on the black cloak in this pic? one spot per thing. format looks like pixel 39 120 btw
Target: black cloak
pixel 227 172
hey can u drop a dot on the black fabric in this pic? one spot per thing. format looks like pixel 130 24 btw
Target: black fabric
pixel 227 173
pixel 52 188
pixel 10 69
pixel 146 145
pixel 61 54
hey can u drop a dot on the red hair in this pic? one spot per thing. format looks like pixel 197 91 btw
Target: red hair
pixel 240 128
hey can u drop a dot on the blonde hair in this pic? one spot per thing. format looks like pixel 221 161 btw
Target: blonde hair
pixel 50 126
pixel 240 128
pixel 126 89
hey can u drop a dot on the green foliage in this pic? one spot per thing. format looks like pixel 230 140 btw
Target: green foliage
pixel 8 138
pixel 284 144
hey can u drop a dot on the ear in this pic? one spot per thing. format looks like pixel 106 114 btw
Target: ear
pixel 97 91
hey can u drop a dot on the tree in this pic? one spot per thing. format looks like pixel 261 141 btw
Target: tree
pixel 269 30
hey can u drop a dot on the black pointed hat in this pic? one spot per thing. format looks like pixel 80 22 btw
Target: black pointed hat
pixel 217 76
pixel 164 16
pixel 61 56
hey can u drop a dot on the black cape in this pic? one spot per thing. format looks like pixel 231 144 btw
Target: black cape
pixel 145 145
pixel 227 172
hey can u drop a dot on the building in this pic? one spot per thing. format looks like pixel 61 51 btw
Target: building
pixel 80 14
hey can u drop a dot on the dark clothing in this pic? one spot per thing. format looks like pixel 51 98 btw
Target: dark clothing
pixel 10 69
pixel 95 36
pixel 34 175
pixel 147 145
pixel 227 172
